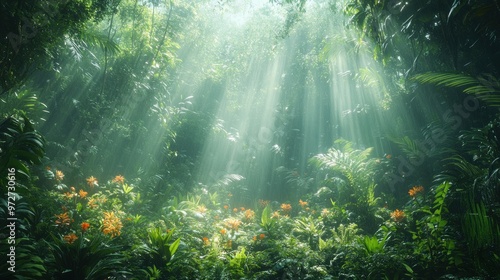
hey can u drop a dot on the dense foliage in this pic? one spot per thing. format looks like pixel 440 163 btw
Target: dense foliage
pixel 319 139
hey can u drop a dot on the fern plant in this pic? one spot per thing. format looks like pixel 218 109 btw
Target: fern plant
pixel 354 167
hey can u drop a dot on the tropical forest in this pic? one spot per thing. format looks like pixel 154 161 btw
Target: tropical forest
pixel 249 139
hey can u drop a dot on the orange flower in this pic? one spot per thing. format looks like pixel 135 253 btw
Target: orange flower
pixel 324 212
pixel 249 214
pixel 226 207
pixel 242 208
pixel 59 175
pixel 92 181
pixel 85 226
pixel 262 236
pixel 111 224
pixel 206 242
pixel 63 219
pixel 119 179
pixel 233 223
pixel 70 238
pixel 202 209
pixel 69 195
pixel 223 231
pixel 254 238
pixel 83 193
pixel 275 215
pixel 415 190
pixel 235 210
pixel 398 215
pixel 388 156
pixel 303 203
pixel 286 207
pixel 92 203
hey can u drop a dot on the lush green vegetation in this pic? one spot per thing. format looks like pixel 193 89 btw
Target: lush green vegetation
pixel 291 139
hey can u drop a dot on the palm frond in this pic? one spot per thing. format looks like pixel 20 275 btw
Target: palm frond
pixel 480 229
pixel 486 89
pixel 457 169
pixel 407 145
pixel 85 40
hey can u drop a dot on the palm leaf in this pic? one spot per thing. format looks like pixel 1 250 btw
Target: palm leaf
pixel 20 145
pixel 486 90
pixel 407 145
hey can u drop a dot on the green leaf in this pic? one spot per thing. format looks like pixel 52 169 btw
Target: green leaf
pixel 266 216
pixel 174 246
pixel 408 268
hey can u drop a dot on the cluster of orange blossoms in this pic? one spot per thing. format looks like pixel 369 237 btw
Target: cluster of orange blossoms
pixel 233 223
pixel 223 231
pixel 91 181
pixel 119 179
pixel 63 219
pixel 286 207
pixel 70 238
pixel 111 224
pixel 415 190
pixel 398 215
pixel 83 193
pixel 302 203
pixel 59 175
pixel 202 209
pixel 69 195
pixel 275 215
pixel 249 214
pixel 93 201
